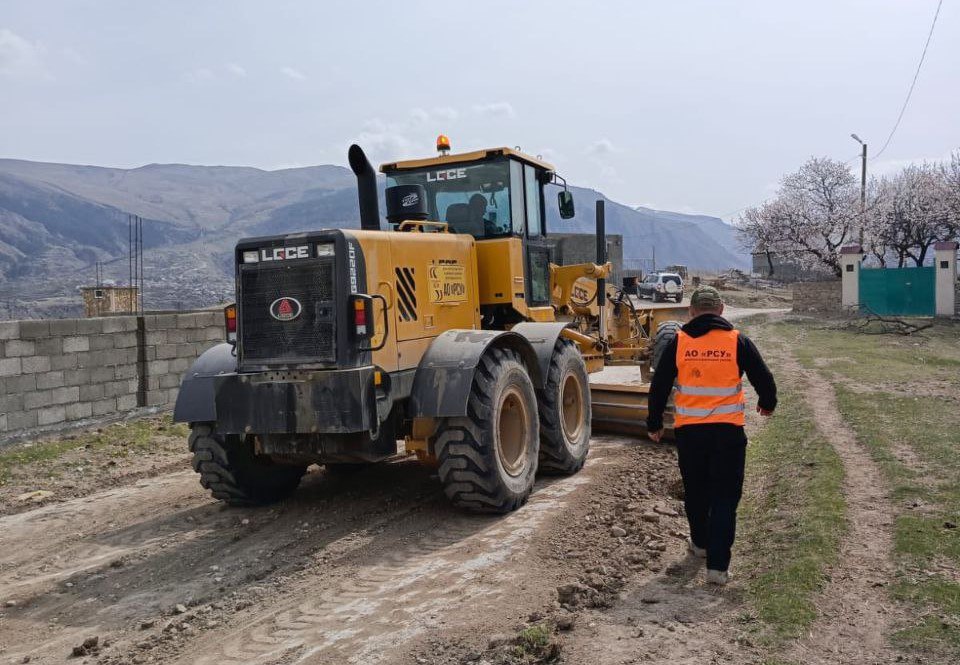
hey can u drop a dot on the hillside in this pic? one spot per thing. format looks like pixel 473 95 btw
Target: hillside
pixel 58 220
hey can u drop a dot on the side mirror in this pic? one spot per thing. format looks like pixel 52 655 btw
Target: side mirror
pixel 565 203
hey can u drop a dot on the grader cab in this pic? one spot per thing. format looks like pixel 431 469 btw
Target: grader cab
pixel 452 331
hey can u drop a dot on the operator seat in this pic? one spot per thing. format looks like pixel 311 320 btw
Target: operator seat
pixel 458 217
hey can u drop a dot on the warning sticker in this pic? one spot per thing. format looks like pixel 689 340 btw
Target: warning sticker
pixel 448 283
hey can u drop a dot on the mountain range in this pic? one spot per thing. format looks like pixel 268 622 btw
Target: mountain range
pixel 58 220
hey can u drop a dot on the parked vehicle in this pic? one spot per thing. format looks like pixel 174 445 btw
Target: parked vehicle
pixel 661 286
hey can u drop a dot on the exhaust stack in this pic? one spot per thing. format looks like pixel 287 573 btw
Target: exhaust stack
pixel 366 188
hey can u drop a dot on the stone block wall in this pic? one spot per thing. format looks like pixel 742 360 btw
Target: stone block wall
pixel 817 297
pixel 54 372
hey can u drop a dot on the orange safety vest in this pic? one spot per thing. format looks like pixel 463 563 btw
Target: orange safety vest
pixel 709 389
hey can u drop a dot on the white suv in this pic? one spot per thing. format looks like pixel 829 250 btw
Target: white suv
pixel 661 286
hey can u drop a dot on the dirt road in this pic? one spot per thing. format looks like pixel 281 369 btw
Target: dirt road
pixel 364 569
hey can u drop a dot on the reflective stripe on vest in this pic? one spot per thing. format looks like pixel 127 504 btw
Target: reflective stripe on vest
pixel 705 390
pixel 702 413
pixel 709 389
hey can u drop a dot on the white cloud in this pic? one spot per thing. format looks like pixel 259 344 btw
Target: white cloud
pixel 602 147
pixel 21 58
pixel 445 113
pixel 495 110
pixel 419 116
pixel 200 75
pixel 236 70
pixel 292 73
pixel 435 115
pixel 385 141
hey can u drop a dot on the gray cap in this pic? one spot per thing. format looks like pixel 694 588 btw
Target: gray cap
pixel 706 297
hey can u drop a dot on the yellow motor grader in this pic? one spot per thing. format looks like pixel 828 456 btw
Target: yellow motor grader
pixel 451 331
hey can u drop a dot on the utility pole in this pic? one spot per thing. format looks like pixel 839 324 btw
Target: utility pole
pixel 863 188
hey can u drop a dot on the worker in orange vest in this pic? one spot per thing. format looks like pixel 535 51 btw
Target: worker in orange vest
pixel 707 360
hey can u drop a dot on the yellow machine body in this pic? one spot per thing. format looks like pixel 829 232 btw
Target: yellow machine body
pixel 429 282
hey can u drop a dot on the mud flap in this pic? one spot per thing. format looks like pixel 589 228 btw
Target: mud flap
pixel 442 384
pixel 197 398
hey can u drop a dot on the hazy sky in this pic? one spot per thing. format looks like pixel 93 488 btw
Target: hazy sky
pixel 687 106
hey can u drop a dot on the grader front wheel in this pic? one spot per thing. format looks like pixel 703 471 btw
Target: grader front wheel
pixel 565 412
pixel 488 459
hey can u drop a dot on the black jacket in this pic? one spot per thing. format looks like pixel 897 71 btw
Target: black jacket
pixel 748 359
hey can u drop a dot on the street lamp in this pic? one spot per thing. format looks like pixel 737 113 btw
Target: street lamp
pixel 863 187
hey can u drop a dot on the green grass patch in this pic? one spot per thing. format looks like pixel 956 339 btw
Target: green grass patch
pixel 913 438
pixel 118 440
pixel 882 360
pixel 792 519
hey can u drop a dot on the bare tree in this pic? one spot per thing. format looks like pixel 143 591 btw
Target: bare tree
pixel 916 212
pixel 815 212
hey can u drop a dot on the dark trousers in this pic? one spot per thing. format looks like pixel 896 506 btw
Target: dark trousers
pixel 711 463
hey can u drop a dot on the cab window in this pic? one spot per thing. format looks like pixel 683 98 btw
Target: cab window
pixel 470 198
pixel 516 185
pixel 532 196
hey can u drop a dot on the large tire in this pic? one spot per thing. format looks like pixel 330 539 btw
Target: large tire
pixel 232 472
pixel 564 405
pixel 666 333
pixel 488 459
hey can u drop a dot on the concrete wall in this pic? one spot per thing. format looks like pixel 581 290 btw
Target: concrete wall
pixel 54 372
pixel 573 248
pixel 822 297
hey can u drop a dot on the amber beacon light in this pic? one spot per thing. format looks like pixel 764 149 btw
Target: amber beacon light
pixel 443 144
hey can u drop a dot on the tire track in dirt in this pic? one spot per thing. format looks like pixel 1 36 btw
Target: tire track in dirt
pixel 469 559
pixel 383 559
pixel 855 615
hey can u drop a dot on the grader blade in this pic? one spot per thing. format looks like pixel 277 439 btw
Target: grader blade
pixel 622 409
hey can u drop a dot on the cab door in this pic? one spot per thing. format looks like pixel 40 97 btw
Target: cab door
pixel 537 251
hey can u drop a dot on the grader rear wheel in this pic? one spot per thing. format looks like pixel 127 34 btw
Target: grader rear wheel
pixel 488 459
pixel 564 404
pixel 230 469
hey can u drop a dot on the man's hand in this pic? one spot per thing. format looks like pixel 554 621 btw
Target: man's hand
pixel 655 436
pixel 764 412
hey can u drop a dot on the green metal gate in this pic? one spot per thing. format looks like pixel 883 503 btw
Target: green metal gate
pixel 898 291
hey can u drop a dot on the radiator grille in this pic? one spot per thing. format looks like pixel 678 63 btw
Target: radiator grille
pixel 311 337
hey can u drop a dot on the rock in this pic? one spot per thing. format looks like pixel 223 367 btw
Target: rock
pixel 214 568
pixel 565 623
pixel 88 647
pixel 618 532
pixel 244 522
pixel 25 659
pixel 34 496
pixel 949 525
pixel 180 609
pixel 666 511
pixel 147 623
pixel 11 603
pixel 653 518
pixel 498 640
pixel 535 617
pixel 569 594
pixel 649 600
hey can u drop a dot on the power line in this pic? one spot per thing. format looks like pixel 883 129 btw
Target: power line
pixel 913 83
